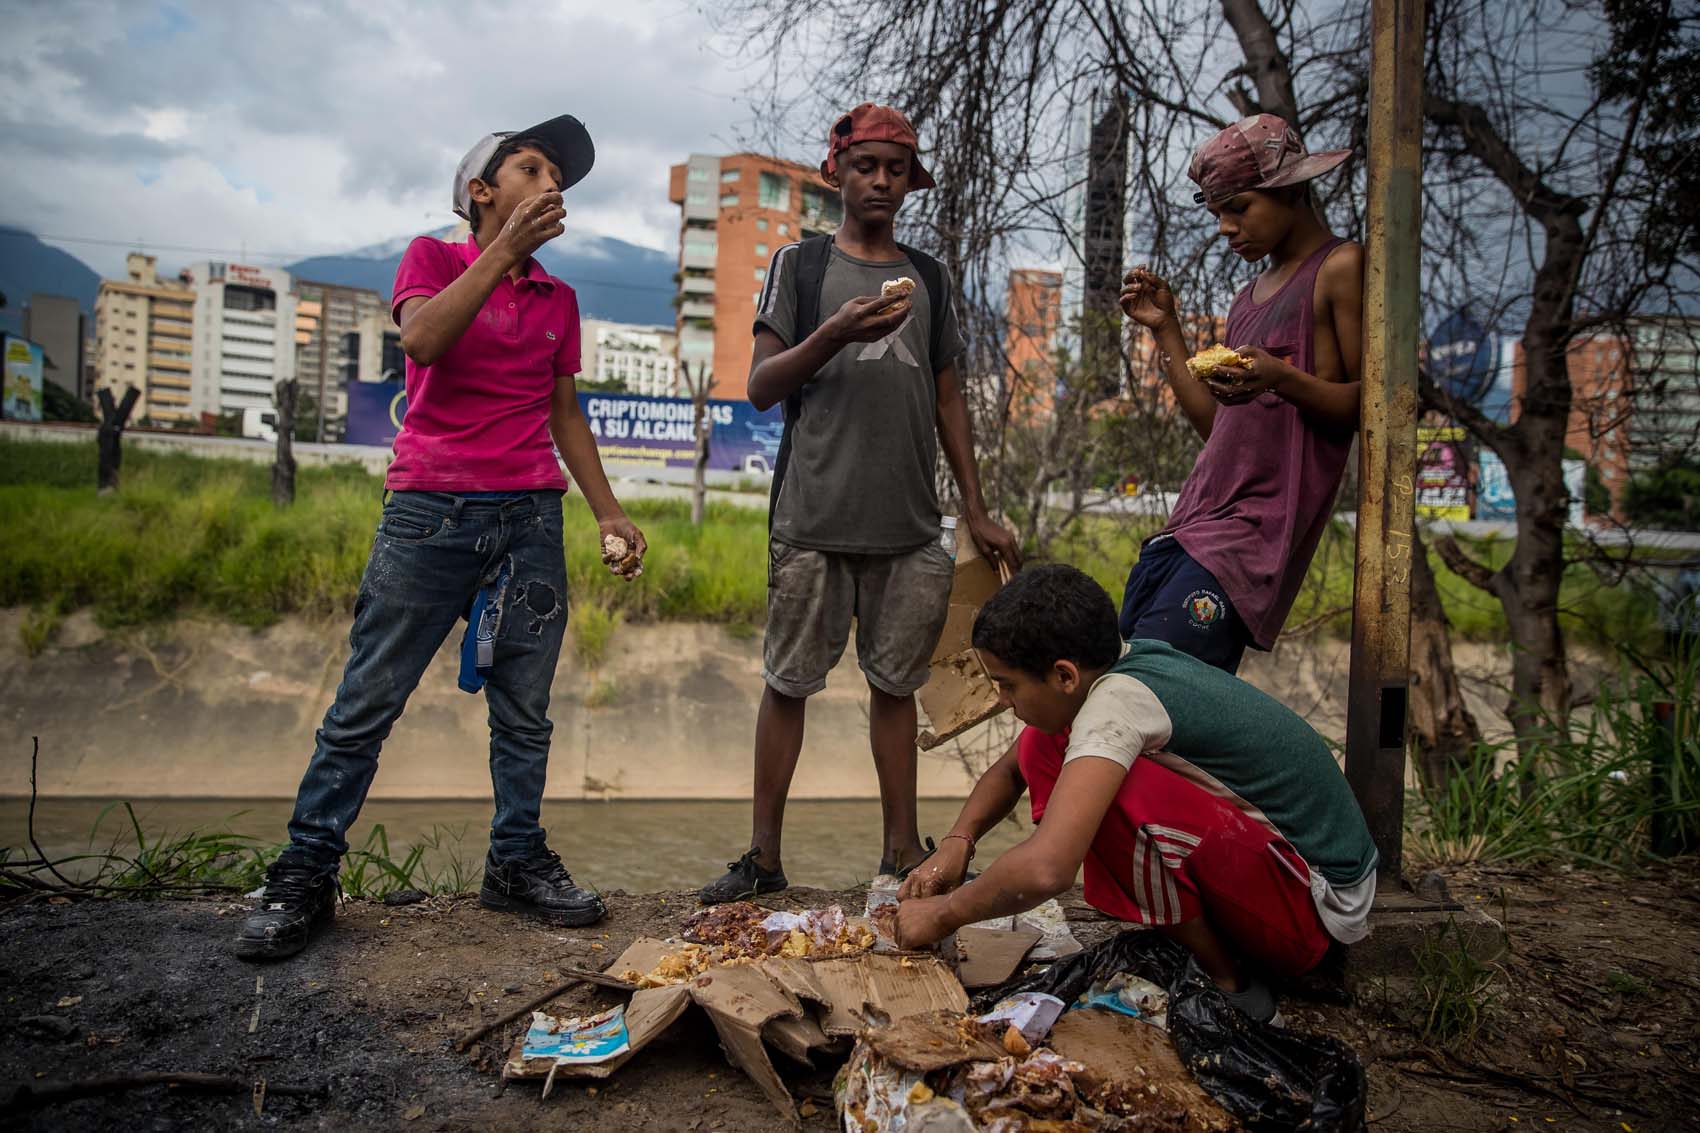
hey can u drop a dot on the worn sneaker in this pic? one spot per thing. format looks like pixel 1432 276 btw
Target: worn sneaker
pixel 1257 1001
pixel 539 886
pixel 743 879
pixel 299 899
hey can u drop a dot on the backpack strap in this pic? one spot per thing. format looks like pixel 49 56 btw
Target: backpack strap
pixel 806 283
pixel 932 278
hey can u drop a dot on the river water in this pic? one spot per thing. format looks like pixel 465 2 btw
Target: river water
pixel 634 845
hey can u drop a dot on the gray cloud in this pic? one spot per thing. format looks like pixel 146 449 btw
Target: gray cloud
pixel 322 119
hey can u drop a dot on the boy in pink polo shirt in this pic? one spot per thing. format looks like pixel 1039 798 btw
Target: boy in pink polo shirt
pixel 471 527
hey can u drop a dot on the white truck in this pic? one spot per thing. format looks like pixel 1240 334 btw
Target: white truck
pixel 259 424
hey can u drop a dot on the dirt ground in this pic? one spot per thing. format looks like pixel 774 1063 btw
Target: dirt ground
pixel 1591 1023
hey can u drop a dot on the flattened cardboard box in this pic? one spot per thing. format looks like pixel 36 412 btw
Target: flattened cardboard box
pixel 958 694
pixel 795 1006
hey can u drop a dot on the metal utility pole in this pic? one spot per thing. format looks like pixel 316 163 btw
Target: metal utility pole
pixel 1381 613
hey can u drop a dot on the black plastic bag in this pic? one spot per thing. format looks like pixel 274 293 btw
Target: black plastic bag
pixel 1274 1080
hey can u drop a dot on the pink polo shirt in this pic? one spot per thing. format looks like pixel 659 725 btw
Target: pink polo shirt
pixel 478 417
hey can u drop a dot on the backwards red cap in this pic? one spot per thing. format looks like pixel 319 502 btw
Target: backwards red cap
pixel 871 122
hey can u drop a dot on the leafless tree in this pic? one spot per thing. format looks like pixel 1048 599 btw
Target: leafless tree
pixel 1559 200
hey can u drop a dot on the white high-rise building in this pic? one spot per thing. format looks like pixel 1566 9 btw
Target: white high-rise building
pixel 245 337
pixel 640 357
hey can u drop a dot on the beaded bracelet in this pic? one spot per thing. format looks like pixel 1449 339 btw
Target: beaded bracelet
pixel 969 838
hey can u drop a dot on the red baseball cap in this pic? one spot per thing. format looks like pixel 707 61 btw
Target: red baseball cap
pixel 871 122
pixel 1261 152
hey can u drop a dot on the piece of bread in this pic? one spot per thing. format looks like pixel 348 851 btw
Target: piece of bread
pixel 620 557
pixel 902 285
pixel 1206 361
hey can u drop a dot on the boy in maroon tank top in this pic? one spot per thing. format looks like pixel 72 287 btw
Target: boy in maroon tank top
pixel 1225 570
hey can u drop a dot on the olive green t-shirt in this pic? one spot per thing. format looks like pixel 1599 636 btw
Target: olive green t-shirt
pixel 865 444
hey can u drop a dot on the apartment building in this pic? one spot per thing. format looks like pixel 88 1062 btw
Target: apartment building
pixel 326 316
pixel 734 212
pixel 1032 320
pixel 640 359
pixel 244 335
pixel 143 338
pixel 57 323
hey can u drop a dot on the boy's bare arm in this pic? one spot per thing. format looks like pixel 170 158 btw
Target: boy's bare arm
pixel 777 372
pixel 572 436
pixel 956 436
pixel 993 797
pixel 1038 869
pixel 1330 397
pixel 431 326
pixel 1147 299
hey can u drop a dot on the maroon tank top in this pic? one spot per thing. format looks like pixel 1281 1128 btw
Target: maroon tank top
pixel 1260 495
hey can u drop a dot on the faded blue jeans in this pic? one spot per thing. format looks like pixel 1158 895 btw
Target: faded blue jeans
pixel 431 554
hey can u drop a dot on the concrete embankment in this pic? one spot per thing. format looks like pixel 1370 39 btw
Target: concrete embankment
pixel 195 709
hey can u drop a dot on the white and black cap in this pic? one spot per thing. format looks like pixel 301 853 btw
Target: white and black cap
pixel 565 135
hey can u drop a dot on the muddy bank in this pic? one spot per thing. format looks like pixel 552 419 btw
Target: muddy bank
pixel 1592 1023
pixel 203 710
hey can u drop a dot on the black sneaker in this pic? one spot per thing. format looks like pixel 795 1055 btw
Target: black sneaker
pixel 744 879
pixel 299 899
pixel 539 886
pixel 1257 1001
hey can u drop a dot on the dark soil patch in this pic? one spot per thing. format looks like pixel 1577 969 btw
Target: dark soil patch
pixel 1593 1021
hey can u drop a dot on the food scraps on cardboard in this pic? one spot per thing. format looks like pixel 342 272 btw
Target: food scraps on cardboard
pixel 739 933
pixel 954 1074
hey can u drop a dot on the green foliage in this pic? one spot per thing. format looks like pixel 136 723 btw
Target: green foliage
pixel 191 535
pixel 592 626
pixel 60 404
pixel 1666 497
pixel 1590 793
pixel 134 864
pixel 38 628
pixel 1456 987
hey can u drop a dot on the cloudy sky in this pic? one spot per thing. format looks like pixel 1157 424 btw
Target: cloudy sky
pixel 306 127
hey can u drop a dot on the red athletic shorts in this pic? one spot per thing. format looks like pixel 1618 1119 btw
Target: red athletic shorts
pixel 1169 851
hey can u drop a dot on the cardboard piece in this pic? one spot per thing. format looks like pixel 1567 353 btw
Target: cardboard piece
pixel 1126 1054
pixel 958 694
pixel 989 956
pixel 796 1006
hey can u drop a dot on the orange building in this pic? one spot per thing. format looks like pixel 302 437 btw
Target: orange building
pixel 1601 405
pixel 734 213
pixel 1033 315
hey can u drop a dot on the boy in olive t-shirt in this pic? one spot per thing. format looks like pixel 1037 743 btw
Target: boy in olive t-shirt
pixel 871 395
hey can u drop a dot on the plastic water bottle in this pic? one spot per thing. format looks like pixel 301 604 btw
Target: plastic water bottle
pixel 947 535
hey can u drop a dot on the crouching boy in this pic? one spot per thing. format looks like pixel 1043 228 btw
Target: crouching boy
pixel 1199 805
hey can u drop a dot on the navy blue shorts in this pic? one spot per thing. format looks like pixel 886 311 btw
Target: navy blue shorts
pixel 1172 598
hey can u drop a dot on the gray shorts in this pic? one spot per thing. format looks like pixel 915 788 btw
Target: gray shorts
pixel 899 603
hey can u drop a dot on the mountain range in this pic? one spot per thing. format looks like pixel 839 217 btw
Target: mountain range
pixel 614 280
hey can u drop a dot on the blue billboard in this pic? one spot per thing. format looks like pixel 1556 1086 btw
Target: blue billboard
pixel 1464 358
pixel 659 432
pixel 629 429
pixel 375 410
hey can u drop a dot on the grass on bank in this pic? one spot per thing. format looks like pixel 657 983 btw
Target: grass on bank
pixel 191 535
pixel 1604 788
pixel 123 859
